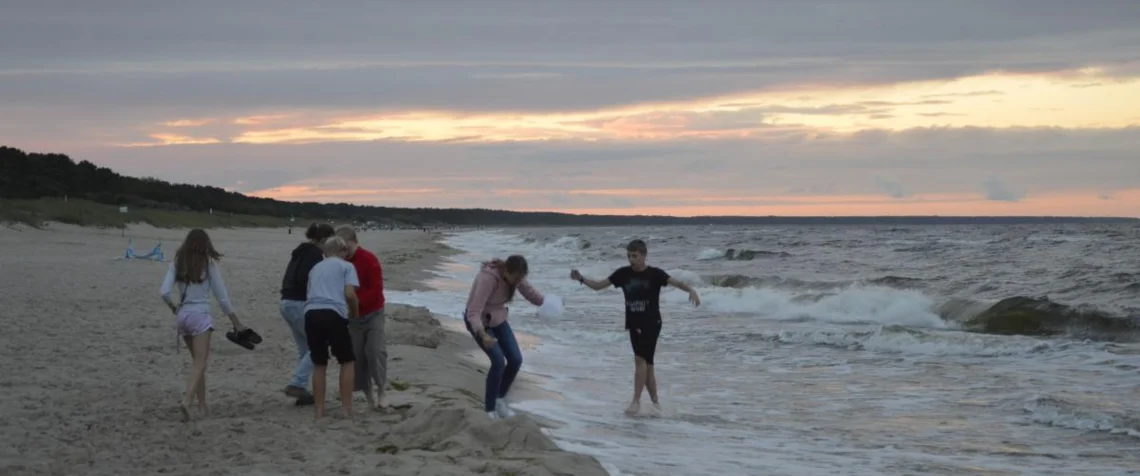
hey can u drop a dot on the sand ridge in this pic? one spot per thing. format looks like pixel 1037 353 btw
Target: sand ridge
pixel 92 374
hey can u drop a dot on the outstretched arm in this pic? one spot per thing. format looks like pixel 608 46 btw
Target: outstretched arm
pixel 693 296
pixel 590 283
pixel 530 293
pixel 680 285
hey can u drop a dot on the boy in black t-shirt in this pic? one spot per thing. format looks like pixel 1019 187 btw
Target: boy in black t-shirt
pixel 641 285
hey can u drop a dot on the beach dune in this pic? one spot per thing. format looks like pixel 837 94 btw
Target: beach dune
pixel 93 371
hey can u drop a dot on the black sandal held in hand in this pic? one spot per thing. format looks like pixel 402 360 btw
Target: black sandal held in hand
pixel 251 335
pixel 247 338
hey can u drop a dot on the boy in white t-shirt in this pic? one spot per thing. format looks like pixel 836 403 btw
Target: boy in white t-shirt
pixel 331 302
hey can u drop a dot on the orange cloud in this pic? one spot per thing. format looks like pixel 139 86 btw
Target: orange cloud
pixel 638 192
pixel 694 202
pixel 997 100
pixel 1083 203
pixel 187 122
pixel 305 193
pixel 173 139
pixel 259 120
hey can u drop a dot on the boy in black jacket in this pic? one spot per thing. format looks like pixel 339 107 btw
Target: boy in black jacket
pixel 294 288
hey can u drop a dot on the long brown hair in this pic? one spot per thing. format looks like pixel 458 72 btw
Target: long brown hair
pixel 193 257
pixel 515 266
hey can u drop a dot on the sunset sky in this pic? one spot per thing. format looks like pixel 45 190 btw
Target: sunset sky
pixel 855 107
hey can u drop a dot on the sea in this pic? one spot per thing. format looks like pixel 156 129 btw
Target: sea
pixel 837 350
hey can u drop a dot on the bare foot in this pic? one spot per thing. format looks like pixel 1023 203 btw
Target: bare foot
pixel 203 410
pixel 382 404
pixel 185 410
pixel 633 408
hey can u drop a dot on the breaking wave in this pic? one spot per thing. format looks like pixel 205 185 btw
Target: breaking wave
pixel 733 254
pixel 899 300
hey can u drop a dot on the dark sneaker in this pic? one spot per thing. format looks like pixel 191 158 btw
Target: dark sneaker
pixel 295 391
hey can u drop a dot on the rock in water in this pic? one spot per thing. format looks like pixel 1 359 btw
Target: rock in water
pixel 1020 315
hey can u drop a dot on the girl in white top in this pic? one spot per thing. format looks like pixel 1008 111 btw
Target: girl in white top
pixel 196 275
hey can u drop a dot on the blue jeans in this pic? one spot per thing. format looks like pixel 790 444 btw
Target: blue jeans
pixel 294 314
pixel 506 360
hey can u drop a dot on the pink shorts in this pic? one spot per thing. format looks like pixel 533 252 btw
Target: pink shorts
pixel 193 323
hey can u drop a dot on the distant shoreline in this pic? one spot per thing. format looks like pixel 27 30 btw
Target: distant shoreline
pixel 37 188
pixel 37 213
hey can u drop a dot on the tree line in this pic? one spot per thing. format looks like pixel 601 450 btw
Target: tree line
pixel 39 175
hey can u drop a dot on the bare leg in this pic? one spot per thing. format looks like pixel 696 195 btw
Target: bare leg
pixel 319 372
pixel 201 393
pixel 639 376
pixel 651 384
pixel 347 380
pixel 202 408
pixel 200 352
pixel 189 346
pixel 183 407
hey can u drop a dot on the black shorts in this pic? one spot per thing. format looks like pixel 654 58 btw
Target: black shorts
pixel 325 329
pixel 643 339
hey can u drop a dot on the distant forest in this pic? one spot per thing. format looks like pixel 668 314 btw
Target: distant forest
pixel 34 175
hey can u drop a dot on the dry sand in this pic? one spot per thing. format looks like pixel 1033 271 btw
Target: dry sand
pixel 91 375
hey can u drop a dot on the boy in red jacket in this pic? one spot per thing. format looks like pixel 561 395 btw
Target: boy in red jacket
pixel 368 331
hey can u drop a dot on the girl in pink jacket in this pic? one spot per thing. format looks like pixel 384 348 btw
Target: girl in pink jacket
pixel 486 319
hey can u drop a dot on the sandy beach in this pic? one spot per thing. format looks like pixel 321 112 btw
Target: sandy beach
pixel 93 372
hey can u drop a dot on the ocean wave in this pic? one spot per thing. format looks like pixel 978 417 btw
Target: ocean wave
pixel 739 281
pixel 905 340
pixel 902 282
pixel 898 299
pixel 1133 278
pixel 852 304
pixel 571 242
pixel 733 254
pixel 1062 413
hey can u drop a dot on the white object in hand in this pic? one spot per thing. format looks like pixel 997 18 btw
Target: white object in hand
pixel 551 307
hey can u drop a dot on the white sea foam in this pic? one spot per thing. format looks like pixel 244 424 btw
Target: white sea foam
pixel 709 254
pixel 871 304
